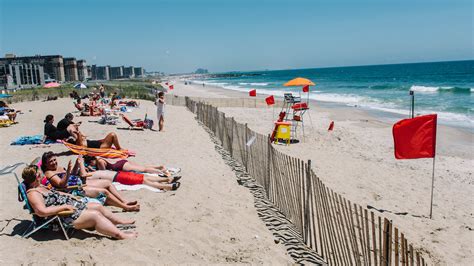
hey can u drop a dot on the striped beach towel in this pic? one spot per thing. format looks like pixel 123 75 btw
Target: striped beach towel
pixel 106 153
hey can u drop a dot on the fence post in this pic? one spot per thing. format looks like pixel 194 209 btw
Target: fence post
pixel 306 225
pixel 246 148
pixel 269 152
pixel 231 146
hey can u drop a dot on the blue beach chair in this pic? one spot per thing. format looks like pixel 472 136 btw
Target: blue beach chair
pixel 37 222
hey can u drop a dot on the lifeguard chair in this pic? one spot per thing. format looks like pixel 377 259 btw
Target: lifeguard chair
pixel 295 110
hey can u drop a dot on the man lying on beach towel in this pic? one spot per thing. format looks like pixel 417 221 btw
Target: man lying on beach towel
pixel 132 178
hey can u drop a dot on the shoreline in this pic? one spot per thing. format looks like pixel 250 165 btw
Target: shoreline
pixel 459 137
pixel 379 112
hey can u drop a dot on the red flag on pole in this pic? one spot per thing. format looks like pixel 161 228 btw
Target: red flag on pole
pixel 331 126
pixel 270 100
pixel 415 137
pixel 171 87
pixel 306 88
pixel 253 93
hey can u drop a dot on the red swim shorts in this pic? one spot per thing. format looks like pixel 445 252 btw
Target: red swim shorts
pixel 129 178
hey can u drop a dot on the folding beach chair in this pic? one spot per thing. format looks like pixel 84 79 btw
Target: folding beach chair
pixel 37 222
pixel 133 125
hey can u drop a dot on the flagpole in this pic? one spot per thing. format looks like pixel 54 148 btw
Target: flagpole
pixel 412 93
pixel 432 188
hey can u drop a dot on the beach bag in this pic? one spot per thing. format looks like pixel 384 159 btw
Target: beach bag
pixel 148 124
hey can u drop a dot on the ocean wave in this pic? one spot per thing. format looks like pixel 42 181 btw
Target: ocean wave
pixel 253 83
pixel 427 89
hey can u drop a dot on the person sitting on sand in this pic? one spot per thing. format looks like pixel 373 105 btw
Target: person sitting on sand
pixel 125 165
pixel 59 177
pixel 46 203
pixel 5 110
pixel 65 122
pixel 80 106
pixel 52 133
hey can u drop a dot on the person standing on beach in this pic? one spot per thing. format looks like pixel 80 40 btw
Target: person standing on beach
pixel 102 91
pixel 160 109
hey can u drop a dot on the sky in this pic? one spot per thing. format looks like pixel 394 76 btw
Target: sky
pixel 179 36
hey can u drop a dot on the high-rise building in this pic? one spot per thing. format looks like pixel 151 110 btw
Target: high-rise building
pixel 93 73
pixel 139 72
pixel 21 75
pixel 82 73
pixel 89 72
pixel 116 72
pixel 52 64
pixel 70 69
pixel 128 72
pixel 103 72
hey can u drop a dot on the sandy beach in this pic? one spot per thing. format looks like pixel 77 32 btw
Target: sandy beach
pixel 210 219
pixel 357 161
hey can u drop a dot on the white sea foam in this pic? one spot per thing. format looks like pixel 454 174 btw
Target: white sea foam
pixel 424 89
pixel 364 102
pixel 253 84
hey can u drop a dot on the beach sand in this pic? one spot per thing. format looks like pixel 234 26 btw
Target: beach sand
pixel 210 219
pixel 356 160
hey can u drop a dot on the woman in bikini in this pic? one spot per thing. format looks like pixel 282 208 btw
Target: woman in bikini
pixel 125 165
pixel 47 203
pixel 59 177
pixel 110 141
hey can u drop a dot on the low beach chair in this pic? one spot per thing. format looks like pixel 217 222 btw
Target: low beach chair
pixel 106 153
pixel 37 222
pixel 132 125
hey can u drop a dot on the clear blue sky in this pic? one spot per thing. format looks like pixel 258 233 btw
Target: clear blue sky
pixel 225 35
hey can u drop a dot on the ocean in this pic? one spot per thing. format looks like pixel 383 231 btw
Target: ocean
pixel 445 88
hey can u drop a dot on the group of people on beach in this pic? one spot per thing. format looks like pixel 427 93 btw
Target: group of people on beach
pixel 85 186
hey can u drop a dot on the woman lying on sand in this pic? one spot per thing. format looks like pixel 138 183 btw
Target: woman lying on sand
pixel 59 177
pixel 52 133
pixel 47 203
pixel 125 165
pixel 111 140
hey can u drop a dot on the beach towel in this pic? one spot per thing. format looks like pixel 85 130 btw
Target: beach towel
pixel 121 187
pixel 105 153
pixel 31 140
pixel 6 123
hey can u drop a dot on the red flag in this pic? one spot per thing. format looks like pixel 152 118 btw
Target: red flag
pixel 331 126
pixel 253 93
pixel 415 138
pixel 306 88
pixel 270 100
pixel 171 87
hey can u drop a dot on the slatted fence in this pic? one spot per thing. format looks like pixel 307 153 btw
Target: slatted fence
pixel 340 231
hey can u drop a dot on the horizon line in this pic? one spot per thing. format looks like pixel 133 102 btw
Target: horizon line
pixel 326 67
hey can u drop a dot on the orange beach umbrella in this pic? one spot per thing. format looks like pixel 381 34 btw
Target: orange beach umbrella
pixel 299 82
